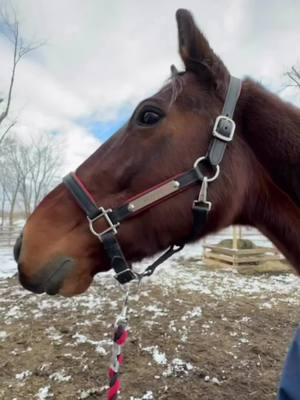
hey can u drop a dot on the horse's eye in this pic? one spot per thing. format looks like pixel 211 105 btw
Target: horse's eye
pixel 149 117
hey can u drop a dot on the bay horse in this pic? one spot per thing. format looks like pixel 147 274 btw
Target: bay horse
pixel 258 185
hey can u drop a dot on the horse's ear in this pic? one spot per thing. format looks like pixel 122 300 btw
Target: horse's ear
pixel 196 52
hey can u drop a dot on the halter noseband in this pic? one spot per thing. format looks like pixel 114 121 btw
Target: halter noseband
pixel 222 134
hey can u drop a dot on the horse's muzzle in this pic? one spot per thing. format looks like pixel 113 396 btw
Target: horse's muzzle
pixel 34 287
pixel 50 278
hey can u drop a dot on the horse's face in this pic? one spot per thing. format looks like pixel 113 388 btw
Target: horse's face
pixel 164 136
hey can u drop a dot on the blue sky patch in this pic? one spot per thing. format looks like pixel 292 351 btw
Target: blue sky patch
pixel 103 130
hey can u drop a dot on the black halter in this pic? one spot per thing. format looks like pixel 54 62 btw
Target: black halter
pixel 222 134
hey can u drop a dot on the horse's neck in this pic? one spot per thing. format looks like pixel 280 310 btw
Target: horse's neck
pixel 274 213
pixel 272 130
pixel 271 127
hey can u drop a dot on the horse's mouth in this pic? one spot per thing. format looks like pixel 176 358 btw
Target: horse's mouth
pixel 52 277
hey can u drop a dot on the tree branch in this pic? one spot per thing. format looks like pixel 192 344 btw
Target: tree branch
pixel 3 136
pixel 11 24
pixel 294 76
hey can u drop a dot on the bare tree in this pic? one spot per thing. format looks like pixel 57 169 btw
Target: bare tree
pixel 37 166
pixel 9 180
pixel 293 76
pixel 10 28
pixel 27 172
pixel 45 161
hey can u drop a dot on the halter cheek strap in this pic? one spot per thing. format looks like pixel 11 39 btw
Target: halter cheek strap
pixel 222 135
pixel 224 128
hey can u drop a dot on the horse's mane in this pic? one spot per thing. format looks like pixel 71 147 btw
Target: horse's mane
pixel 174 84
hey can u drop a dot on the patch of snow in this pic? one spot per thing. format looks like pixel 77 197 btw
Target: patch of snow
pixel 85 394
pixel 8 266
pixel 60 376
pixel 23 375
pixel 158 312
pixel 266 305
pixel 245 319
pixel 181 365
pixel 196 312
pixel 79 338
pixel 3 335
pixel 84 323
pixel 45 366
pixel 14 312
pixel 44 393
pixel 244 340
pixel 216 381
pixel 53 334
pixel 178 367
pixel 147 396
pixel 159 357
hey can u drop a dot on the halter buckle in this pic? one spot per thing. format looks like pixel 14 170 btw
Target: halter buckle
pixel 111 226
pixel 224 128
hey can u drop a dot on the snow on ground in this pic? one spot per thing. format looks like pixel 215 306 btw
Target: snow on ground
pixel 8 266
pixel 57 342
pixel 44 393
pixel 147 396
pixel 226 284
pixel 173 273
pixel 181 302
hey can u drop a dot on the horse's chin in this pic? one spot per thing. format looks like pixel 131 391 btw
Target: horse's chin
pixel 70 284
pixel 63 276
pixel 73 288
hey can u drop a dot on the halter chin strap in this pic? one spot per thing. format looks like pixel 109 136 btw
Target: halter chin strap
pixel 223 133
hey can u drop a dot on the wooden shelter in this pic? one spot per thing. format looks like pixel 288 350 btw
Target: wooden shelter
pixel 235 257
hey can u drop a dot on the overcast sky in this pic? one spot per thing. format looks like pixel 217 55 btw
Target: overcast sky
pixel 102 57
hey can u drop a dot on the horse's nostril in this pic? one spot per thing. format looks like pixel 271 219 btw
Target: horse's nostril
pixel 17 248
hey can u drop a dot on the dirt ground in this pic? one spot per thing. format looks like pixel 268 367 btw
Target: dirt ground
pixel 183 344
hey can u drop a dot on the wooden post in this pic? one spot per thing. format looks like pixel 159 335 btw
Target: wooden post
pixel 240 232
pixel 234 245
pixel 234 238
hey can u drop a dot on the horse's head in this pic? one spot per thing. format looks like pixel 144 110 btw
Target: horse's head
pixel 165 135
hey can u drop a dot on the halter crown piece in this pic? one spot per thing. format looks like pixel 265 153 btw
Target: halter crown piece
pixel 222 135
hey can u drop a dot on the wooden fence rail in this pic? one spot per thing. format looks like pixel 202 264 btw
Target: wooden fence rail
pixel 233 258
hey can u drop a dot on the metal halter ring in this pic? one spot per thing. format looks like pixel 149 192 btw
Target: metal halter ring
pixel 201 176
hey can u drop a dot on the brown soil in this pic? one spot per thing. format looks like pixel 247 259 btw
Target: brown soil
pixel 235 350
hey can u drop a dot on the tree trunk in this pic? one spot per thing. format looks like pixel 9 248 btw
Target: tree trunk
pixel 12 209
pixel 2 211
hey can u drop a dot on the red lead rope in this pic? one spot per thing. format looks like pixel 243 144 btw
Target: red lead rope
pixel 119 339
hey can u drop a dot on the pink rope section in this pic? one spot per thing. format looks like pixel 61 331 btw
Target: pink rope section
pixel 120 337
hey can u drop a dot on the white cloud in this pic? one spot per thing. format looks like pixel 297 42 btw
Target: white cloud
pixel 80 145
pixel 101 56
